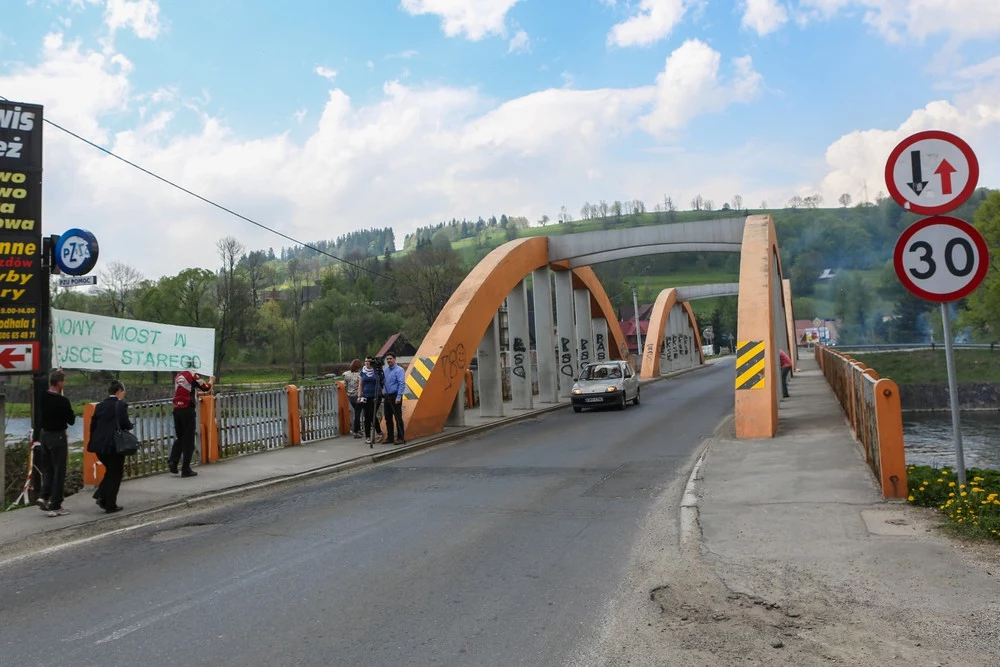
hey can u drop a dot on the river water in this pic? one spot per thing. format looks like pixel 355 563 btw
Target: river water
pixel 929 440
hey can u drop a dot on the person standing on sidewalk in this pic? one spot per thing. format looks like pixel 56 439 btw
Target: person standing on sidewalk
pixel 367 397
pixel 352 381
pixel 56 414
pixel 392 392
pixel 786 368
pixel 110 416
pixel 185 385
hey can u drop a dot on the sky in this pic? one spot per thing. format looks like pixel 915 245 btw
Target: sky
pixel 319 117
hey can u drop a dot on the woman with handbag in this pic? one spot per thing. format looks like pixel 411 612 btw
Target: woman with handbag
pixel 110 420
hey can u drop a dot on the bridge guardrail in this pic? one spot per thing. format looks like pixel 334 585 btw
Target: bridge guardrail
pixel 875 414
pixel 154 426
pixel 318 412
pixel 890 347
pixel 252 421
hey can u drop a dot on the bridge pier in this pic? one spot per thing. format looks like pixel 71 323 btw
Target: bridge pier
pixel 584 330
pixel 490 373
pixel 519 343
pixel 457 415
pixel 600 326
pixel 545 344
pixel 566 332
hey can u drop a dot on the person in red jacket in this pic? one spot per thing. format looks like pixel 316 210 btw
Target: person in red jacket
pixel 185 385
pixel 786 369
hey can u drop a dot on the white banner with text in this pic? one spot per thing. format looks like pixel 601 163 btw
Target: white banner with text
pixel 95 342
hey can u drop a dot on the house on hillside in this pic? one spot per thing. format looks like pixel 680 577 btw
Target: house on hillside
pixel 398 345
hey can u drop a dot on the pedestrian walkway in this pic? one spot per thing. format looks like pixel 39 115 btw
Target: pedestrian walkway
pixel 159 492
pixel 799 520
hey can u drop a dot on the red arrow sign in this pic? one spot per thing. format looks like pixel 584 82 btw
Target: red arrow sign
pixel 8 357
pixel 945 170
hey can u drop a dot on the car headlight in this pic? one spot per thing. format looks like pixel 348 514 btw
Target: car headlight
pixel 611 389
pixel 577 392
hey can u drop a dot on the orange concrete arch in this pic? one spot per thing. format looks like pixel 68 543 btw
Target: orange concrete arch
pixel 585 278
pixel 760 270
pixel 456 333
pixel 665 302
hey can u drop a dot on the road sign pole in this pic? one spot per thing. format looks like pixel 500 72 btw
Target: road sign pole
pixel 956 419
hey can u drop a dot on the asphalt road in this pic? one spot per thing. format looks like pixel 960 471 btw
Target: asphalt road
pixel 499 550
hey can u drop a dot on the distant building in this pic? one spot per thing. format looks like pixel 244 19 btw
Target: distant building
pixel 808 332
pixel 400 347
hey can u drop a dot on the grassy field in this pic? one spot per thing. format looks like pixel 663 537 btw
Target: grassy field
pixel 929 366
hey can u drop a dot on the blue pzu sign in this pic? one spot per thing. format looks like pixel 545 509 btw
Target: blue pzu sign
pixel 76 252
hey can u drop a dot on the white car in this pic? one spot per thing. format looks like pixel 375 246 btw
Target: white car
pixel 606 383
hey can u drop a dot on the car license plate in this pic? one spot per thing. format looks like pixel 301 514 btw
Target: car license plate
pixel 595 400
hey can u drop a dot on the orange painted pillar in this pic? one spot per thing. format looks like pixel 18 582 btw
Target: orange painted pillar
pixel 343 410
pixel 470 390
pixel 209 429
pixel 756 394
pixel 892 458
pixel 294 425
pixel 93 470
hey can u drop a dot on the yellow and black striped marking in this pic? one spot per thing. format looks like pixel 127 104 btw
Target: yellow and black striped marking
pixel 416 379
pixel 750 364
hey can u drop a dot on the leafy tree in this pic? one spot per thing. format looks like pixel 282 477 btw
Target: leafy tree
pixel 982 307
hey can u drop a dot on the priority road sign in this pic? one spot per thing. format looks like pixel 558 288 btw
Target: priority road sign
pixel 931 172
pixel 19 358
pixel 941 258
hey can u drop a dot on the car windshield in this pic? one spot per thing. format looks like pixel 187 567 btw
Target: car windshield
pixel 602 372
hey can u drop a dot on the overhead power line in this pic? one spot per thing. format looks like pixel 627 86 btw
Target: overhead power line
pixel 224 208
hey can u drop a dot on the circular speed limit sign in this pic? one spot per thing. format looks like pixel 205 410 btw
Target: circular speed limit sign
pixel 941 258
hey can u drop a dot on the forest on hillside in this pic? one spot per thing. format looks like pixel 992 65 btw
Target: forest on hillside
pixel 305 307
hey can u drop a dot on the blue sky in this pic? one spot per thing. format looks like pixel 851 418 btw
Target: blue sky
pixel 321 117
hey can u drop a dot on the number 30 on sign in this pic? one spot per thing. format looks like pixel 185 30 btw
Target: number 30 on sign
pixel 941 258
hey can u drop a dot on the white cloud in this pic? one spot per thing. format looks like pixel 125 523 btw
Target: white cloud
pixel 326 72
pixel 653 21
pixel 690 85
pixel 424 153
pixel 987 69
pixel 519 43
pixel 856 160
pixel 475 19
pixel 141 16
pixel 764 16
pixel 370 65
pixel 901 19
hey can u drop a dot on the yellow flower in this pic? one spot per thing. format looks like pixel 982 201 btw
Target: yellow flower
pixel 940 480
pixel 910 498
pixel 963 494
pixel 951 483
pixel 951 495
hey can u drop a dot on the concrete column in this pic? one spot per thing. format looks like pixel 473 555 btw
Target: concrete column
pixel 600 339
pixel 545 344
pixel 584 330
pixel 457 415
pixel 519 342
pixel 565 332
pixel 672 336
pixel 490 373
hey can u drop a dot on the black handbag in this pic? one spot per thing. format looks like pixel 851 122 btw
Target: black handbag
pixel 125 443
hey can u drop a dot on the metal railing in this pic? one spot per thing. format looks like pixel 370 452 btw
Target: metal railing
pixel 251 421
pixel 874 412
pixel 154 426
pixel 901 347
pixel 318 412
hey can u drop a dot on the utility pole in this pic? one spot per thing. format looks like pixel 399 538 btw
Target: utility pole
pixel 635 314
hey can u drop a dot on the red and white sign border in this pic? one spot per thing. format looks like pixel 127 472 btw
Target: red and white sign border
pixel 981 248
pixel 961 198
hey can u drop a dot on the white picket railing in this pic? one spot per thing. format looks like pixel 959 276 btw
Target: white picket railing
pixel 154 426
pixel 251 421
pixel 318 412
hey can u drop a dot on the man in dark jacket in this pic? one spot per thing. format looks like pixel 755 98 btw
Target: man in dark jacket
pixel 55 415
pixel 185 385
pixel 110 416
